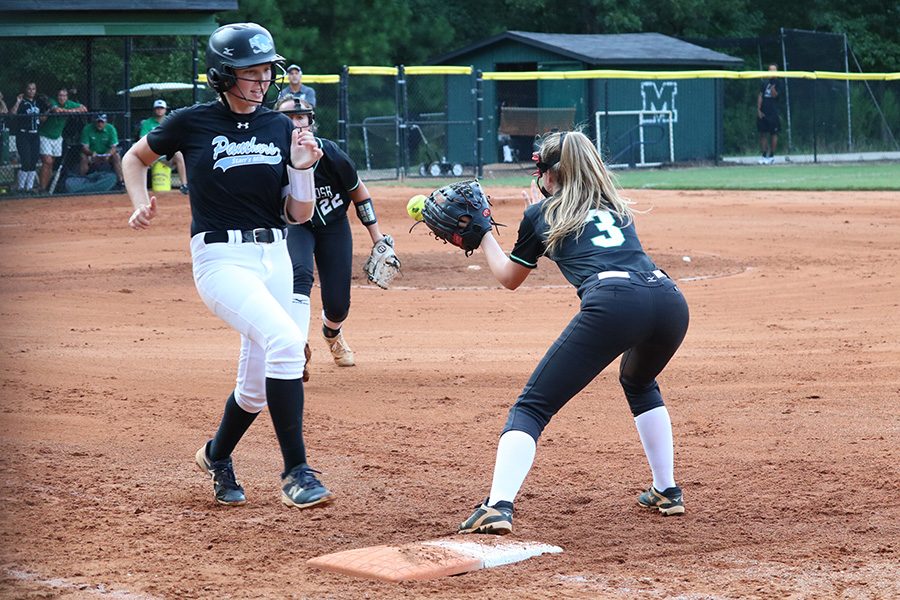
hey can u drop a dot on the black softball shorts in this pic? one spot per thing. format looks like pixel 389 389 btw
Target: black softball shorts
pixel 332 249
pixel 643 318
pixel 770 123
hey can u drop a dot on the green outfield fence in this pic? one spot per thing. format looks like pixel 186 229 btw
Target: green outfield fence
pixel 404 122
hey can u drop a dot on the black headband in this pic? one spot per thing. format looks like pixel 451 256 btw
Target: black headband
pixel 544 167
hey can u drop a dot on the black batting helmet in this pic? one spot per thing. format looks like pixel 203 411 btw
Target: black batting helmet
pixel 237 46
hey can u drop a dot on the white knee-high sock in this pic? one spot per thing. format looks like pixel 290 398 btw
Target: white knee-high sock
pixel 515 455
pixel 655 429
pixel 300 313
pixel 32 177
pixel 23 179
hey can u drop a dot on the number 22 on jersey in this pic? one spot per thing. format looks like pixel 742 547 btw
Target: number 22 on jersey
pixel 610 235
pixel 328 203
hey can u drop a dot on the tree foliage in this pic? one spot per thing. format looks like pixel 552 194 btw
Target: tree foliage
pixel 323 36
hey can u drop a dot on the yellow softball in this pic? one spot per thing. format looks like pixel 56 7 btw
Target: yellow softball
pixel 414 207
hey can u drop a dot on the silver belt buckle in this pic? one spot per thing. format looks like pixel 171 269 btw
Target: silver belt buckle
pixel 256 233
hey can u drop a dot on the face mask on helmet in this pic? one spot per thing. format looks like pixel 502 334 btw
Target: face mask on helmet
pixel 238 46
pixel 293 106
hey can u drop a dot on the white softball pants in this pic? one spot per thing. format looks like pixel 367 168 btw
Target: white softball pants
pixel 249 286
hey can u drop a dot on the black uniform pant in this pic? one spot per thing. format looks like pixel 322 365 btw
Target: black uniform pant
pixel 27 145
pixel 331 247
pixel 643 318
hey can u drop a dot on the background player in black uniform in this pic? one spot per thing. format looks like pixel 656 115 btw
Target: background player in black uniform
pixel 628 308
pixel 768 123
pixel 327 238
pixel 27 123
pixel 250 171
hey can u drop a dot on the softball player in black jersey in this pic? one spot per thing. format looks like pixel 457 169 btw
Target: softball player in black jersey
pixel 628 307
pixel 326 237
pixel 28 108
pixel 250 173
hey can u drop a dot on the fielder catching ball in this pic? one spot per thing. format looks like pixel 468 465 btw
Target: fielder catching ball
pixel 629 307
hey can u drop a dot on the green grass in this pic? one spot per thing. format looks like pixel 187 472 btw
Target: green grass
pixel 855 176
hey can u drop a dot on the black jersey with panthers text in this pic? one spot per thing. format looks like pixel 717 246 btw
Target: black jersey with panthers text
pixel 604 245
pixel 336 177
pixel 236 164
pixel 29 113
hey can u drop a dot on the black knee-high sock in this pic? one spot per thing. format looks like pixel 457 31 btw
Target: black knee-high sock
pixel 235 422
pixel 285 398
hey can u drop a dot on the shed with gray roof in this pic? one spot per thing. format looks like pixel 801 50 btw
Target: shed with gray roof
pixel 693 102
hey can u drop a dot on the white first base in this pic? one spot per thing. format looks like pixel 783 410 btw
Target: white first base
pixel 496 554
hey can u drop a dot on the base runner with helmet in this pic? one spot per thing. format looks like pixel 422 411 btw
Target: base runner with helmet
pixel 250 175
pixel 628 307
pixel 326 239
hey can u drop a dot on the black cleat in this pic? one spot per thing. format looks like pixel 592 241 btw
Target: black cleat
pixel 496 519
pixel 669 502
pixel 301 489
pixel 226 488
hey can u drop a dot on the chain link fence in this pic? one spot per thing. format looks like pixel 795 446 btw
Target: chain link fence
pixel 437 121
pixel 87 78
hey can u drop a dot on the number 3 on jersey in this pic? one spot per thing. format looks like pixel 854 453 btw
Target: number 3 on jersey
pixel 610 235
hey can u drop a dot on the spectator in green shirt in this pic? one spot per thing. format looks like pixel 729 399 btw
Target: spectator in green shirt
pixel 149 124
pixel 98 147
pixel 51 133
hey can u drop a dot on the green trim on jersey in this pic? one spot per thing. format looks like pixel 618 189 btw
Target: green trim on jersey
pixel 522 262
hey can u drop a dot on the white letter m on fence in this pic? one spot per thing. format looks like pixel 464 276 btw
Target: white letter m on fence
pixel 659 96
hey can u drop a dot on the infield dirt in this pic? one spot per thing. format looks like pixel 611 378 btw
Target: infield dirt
pixel 784 402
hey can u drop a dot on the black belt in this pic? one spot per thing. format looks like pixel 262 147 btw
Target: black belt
pixel 248 236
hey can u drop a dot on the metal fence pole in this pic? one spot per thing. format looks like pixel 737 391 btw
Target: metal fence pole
pixel 847 81
pixel 402 120
pixel 606 149
pixel 815 124
pixel 127 132
pixel 89 64
pixel 719 105
pixel 195 65
pixel 479 124
pixel 343 109
pixel 787 93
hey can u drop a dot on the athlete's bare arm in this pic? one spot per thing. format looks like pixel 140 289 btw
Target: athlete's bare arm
pixel 134 171
pixel 509 274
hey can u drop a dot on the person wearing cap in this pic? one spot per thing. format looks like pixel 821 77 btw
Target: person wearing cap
pixel 99 142
pixel 51 133
pixel 296 88
pixel 151 123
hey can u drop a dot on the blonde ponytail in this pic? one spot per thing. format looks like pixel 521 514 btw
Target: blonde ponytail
pixel 583 184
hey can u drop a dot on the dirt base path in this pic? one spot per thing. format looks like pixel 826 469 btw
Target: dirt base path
pixel 784 400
